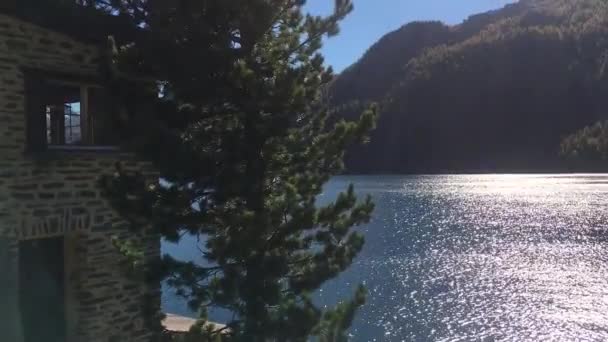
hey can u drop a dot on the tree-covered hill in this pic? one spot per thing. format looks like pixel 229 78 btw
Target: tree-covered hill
pixel 589 144
pixel 497 92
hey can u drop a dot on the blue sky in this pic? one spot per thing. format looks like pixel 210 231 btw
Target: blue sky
pixel 374 18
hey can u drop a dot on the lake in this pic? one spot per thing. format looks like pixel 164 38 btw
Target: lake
pixel 475 258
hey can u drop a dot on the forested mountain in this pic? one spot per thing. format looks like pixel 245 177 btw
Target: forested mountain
pixel 498 92
pixel 589 144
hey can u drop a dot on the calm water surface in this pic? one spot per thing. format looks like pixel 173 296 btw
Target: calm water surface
pixel 476 258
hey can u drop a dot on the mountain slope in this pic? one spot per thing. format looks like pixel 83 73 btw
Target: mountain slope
pixel 497 92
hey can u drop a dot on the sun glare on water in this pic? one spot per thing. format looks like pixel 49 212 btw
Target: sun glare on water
pixel 485 258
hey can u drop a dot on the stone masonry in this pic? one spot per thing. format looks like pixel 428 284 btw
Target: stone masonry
pixel 56 195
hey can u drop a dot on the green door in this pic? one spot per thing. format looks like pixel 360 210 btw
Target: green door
pixel 42 290
pixel 10 322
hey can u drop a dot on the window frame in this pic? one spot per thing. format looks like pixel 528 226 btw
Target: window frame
pixel 35 80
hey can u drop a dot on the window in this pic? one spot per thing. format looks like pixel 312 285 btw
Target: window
pixel 63 119
pixel 68 115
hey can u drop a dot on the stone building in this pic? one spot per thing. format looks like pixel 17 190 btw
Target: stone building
pixel 61 278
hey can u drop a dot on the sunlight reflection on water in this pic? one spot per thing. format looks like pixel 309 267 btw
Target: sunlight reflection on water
pixel 474 258
pixel 482 258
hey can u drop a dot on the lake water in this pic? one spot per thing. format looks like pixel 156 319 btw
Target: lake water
pixel 476 258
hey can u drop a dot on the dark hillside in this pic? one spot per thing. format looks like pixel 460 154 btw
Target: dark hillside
pixel 495 93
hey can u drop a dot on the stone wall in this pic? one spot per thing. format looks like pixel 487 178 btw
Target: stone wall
pixel 56 194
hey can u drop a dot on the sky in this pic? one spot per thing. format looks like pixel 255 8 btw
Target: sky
pixel 372 19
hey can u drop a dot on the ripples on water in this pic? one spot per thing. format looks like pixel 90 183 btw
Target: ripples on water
pixel 476 258
pixel 482 258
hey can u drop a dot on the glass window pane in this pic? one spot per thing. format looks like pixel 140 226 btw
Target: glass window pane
pixel 48 125
pixel 73 134
pixel 63 115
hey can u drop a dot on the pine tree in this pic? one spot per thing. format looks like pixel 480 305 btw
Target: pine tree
pixel 239 135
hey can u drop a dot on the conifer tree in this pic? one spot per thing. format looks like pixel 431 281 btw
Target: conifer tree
pixel 239 133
